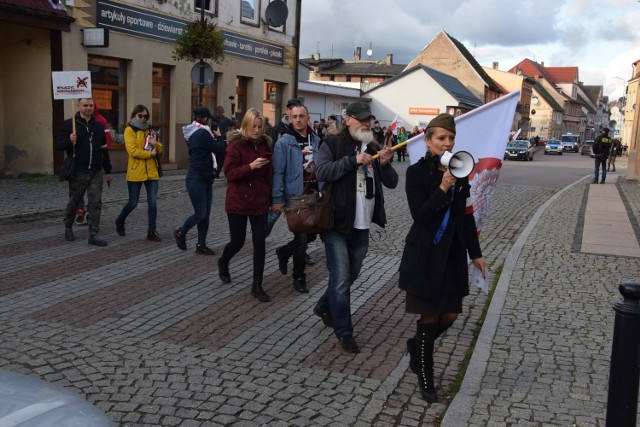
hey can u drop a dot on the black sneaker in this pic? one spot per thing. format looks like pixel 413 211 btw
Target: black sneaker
pixel 95 240
pixel 282 261
pixel 349 344
pixel 602 182
pixel 68 234
pixel 300 285
pixel 153 236
pixel 120 228
pixel 326 317
pixel 204 250
pixel 181 240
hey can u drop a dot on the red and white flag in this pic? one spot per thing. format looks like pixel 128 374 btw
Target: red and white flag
pixel 393 127
pixel 483 132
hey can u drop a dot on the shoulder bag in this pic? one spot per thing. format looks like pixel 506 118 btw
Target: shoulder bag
pixel 68 169
pixel 312 212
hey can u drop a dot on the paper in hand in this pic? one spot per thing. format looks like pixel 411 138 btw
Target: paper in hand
pixel 478 280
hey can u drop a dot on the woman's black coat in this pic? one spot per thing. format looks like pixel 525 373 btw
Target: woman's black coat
pixel 423 262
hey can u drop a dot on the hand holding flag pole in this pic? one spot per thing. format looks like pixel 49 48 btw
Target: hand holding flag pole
pixel 394 148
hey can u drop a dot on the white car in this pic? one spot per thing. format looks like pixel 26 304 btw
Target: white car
pixel 553 146
pixel 30 402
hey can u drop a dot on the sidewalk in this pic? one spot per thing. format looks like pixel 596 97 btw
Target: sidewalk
pixel 150 335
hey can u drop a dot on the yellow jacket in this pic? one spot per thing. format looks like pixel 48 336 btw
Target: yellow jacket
pixel 141 166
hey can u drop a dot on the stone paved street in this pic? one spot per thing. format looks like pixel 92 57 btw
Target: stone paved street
pixel 150 335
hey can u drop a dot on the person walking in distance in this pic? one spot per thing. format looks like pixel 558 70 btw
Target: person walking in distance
pixel 143 148
pixel 204 145
pixel 92 159
pixel 249 177
pixel 433 268
pixel 601 148
pixel 346 160
pixel 289 178
pixel 616 150
pixel 224 124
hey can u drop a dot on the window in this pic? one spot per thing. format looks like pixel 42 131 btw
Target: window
pixel 109 88
pixel 210 6
pixel 281 28
pixel 209 94
pixel 250 12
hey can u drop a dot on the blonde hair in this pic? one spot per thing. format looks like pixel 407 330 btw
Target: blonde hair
pixel 248 119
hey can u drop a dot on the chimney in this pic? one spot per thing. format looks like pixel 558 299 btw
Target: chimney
pixel 389 58
pixel 542 64
pixel 494 65
pixel 357 54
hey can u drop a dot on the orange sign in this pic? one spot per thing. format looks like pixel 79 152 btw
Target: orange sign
pixel 427 111
pixel 102 99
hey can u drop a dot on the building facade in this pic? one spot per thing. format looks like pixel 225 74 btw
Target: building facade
pixel 135 65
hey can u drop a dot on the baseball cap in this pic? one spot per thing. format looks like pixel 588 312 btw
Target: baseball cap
pixel 202 112
pixel 293 103
pixel 360 110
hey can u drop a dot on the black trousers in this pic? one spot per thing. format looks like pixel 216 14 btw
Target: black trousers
pixel 238 232
pixel 297 248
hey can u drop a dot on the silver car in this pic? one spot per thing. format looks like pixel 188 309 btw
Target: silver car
pixel 553 146
pixel 30 402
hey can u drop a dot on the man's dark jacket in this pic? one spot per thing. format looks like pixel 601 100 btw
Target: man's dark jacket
pixel 90 156
pixel 340 167
pixel 602 146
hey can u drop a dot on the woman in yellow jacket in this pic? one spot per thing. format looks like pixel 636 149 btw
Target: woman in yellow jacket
pixel 143 148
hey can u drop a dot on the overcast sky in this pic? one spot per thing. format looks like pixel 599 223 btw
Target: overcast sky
pixel 601 37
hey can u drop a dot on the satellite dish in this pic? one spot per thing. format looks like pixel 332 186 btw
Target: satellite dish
pixel 276 13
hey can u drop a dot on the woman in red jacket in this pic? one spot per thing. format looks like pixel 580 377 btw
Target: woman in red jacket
pixel 249 174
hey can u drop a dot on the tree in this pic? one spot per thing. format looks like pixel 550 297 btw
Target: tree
pixel 199 42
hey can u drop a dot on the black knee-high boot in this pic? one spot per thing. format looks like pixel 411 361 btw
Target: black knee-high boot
pixel 412 347
pixel 424 341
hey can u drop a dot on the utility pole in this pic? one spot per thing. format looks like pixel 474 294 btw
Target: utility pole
pixel 201 83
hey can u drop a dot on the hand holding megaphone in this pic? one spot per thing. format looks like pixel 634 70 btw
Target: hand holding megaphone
pixel 460 164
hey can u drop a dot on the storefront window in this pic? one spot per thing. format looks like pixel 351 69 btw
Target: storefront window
pixel 272 101
pixel 209 95
pixel 109 88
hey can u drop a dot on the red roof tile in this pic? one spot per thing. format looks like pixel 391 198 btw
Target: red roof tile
pixel 563 74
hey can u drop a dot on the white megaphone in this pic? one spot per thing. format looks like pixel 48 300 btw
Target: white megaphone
pixel 460 164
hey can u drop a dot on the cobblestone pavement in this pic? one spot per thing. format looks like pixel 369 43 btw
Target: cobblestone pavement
pixel 149 334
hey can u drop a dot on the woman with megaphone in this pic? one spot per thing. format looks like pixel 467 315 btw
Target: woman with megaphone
pixel 434 266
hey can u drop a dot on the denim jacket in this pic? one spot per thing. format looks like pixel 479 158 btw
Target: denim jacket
pixel 288 174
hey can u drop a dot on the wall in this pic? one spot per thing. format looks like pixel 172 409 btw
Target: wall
pixel 25 94
pixel 418 89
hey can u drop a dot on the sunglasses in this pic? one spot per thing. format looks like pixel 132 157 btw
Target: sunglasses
pixel 143 116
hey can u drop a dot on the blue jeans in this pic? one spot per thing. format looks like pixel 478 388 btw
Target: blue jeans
pixel 599 162
pixel 201 195
pixel 134 196
pixel 345 254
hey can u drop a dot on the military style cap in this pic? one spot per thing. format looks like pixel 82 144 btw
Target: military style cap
pixel 444 121
pixel 360 110
pixel 202 112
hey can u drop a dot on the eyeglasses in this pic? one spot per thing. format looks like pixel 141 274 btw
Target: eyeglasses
pixel 367 120
pixel 143 116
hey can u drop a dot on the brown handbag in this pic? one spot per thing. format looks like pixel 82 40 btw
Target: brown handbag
pixel 312 212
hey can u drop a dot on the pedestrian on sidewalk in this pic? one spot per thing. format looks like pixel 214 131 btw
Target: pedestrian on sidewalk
pixel 346 160
pixel 249 179
pixel 293 158
pixel 616 150
pixel 91 160
pixel 601 148
pixel 204 143
pixel 143 149
pixel 433 269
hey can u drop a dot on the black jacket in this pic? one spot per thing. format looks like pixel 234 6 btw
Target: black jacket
pixel 423 262
pixel 90 156
pixel 341 169
pixel 602 146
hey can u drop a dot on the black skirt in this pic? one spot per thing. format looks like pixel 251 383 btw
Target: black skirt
pixel 449 301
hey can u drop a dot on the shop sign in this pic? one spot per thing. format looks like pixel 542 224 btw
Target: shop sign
pixel 139 22
pixel 249 48
pixel 425 111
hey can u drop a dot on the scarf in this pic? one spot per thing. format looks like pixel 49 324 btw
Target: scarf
pixel 139 124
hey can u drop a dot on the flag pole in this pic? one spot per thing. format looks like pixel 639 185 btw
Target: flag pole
pixel 394 148
pixel 73 115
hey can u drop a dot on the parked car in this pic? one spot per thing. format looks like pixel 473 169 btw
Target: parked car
pixel 570 146
pixel 570 142
pixel 587 148
pixel 553 146
pixel 30 402
pixel 519 150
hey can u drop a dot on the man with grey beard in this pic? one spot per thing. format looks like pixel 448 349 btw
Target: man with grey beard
pixel 346 161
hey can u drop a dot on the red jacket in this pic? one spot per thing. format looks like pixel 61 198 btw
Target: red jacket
pixel 248 191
